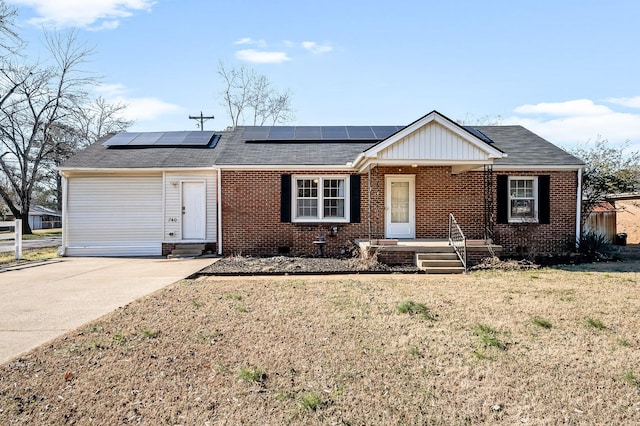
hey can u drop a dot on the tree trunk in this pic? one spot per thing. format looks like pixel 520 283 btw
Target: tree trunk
pixel 26 228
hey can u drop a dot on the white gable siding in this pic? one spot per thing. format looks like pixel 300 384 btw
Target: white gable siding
pixel 433 142
pixel 111 215
pixel 173 203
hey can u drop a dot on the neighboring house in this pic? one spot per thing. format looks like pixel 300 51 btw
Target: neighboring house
pixel 274 190
pixel 40 217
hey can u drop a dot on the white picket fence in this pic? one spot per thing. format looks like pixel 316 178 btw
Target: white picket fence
pixel 17 227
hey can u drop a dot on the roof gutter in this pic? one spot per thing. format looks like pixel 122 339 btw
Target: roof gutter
pixel 579 208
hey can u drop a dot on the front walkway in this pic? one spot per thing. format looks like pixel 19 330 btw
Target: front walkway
pixel 40 303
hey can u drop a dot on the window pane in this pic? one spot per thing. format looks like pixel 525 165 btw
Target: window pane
pixel 334 208
pixel 307 208
pixel 521 188
pixel 400 202
pixel 307 187
pixel 334 198
pixel 522 208
pixel 334 188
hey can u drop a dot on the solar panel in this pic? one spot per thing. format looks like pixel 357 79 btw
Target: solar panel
pixel 120 139
pixel 171 138
pixel 334 132
pixel 256 133
pixel 197 139
pixel 160 139
pixel 308 132
pixel 317 133
pixel 383 132
pixel 279 133
pixel 149 138
pixel 360 132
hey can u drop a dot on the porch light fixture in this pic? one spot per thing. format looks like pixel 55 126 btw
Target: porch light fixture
pixel 414 165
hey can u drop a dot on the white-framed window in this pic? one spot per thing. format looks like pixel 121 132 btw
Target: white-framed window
pixel 523 199
pixel 320 198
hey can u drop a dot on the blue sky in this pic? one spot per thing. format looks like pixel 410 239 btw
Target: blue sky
pixel 566 69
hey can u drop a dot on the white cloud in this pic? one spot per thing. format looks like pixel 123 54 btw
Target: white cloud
pixel 633 102
pixel 94 14
pixel 568 108
pixel 316 48
pixel 138 109
pixel 249 40
pixel 262 57
pixel 578 121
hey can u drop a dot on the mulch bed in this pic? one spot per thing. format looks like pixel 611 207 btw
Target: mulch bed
pixel 284 265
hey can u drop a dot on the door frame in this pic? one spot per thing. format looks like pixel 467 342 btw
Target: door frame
pixel 203 218
pixel 411 179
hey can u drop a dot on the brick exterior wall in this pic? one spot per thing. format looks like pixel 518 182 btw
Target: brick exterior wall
pixel 251 212
pixel 536 239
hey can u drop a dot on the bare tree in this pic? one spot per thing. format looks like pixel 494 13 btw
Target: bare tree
pixel 10 41
pixel 249 98
pixel 485 120
pixel 37 101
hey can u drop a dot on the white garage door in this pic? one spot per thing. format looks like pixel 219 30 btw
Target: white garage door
pixel 114 216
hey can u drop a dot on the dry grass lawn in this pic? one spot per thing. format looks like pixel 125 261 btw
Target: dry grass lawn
pixel 537 347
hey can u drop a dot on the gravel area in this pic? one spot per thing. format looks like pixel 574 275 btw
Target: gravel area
pixel 284 265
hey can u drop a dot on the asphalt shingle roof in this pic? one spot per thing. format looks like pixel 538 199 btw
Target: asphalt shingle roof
pixel 524 148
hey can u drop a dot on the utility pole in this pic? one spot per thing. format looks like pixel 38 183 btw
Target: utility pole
pixel 202 119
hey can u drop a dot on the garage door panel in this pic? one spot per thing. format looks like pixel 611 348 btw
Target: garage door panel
pixel 114 216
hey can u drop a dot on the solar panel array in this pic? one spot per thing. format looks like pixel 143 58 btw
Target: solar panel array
pixel 318 133
pixel 163 139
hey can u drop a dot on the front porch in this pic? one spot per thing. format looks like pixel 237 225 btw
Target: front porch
pixel 431 255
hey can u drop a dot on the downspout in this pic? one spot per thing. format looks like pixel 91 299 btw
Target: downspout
pixel 219 205
pixel 63 250
pixel 370 192
pixel 579 207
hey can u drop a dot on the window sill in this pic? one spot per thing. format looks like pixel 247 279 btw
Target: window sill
pixel 317 221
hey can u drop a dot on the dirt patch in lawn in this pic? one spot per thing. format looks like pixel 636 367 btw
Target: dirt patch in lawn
pixel 548 346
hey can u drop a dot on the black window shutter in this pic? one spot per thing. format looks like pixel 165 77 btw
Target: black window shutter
pixel 544 204
pixel 502 189
pixel 354 199
pixel 285 198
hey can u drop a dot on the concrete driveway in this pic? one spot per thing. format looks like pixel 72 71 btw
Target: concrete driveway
pixel 40 303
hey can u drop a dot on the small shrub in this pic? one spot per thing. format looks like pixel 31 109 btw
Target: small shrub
pixel 595 323
pixel 594 245
pixel 541 322
pixel 412 308
pixel 252 374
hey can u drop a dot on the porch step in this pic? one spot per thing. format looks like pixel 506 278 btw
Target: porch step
pixel 186 250
pixel 439 262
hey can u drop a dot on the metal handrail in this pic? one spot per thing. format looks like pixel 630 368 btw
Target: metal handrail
pixel 457 240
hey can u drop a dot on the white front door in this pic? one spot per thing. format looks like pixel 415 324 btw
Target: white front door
pixel 400 212
pixel 193 210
